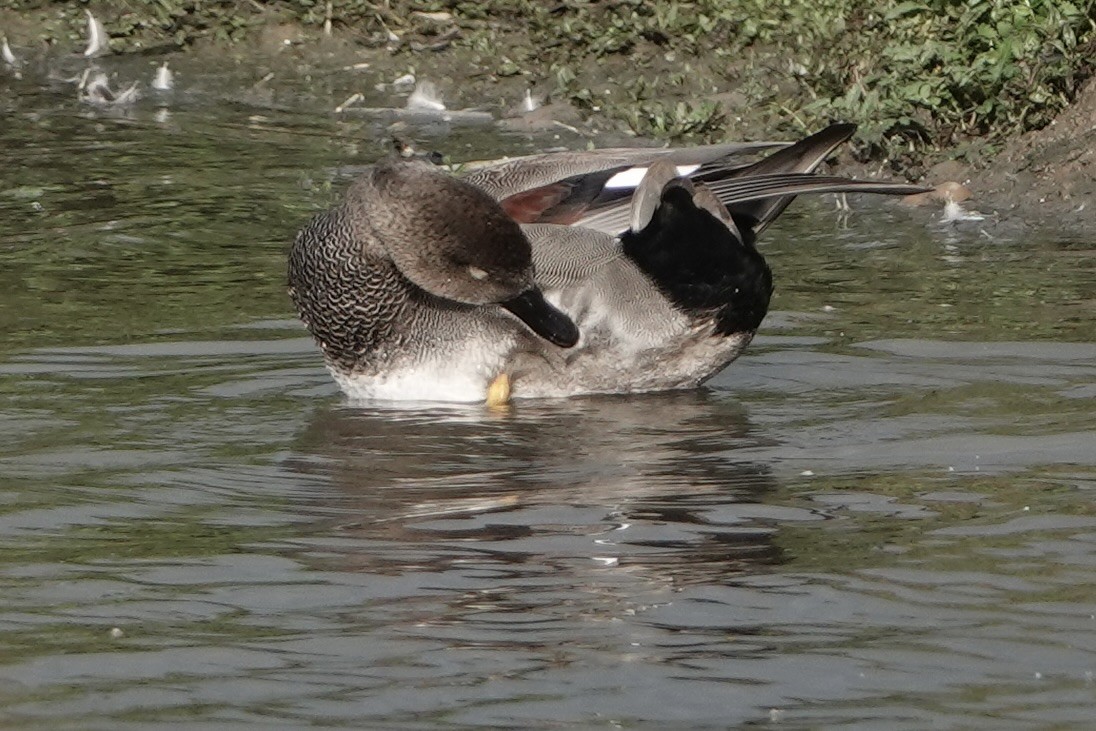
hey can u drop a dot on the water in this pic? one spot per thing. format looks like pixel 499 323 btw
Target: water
pixel 881 517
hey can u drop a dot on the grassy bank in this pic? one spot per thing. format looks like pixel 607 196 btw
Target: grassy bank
pixel 917 75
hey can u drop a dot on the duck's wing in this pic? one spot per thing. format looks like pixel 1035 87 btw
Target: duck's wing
pixel 504 178
pixel 600 198
pixel 558 187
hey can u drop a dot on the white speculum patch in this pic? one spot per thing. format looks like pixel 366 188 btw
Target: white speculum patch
pixel 632 177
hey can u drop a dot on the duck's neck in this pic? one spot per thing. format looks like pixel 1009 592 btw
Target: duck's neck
pixel 351 302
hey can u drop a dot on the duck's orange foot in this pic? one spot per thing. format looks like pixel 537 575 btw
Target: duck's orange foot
pixel 498 392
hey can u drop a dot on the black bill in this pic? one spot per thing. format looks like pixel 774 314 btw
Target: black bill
pixel 546 321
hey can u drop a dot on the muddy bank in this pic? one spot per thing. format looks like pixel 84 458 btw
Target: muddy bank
pixel 1049 173
pixel 638 88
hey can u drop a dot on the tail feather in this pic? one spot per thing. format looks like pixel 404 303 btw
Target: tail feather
pixel 740 195
pixel 802 157
pixel 735 193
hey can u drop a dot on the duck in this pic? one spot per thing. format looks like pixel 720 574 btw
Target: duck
pixel 620 270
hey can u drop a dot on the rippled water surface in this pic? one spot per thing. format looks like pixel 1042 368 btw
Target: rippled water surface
pixel 881 517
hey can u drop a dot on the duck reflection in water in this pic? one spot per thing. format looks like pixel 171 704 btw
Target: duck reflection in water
pixel 648 484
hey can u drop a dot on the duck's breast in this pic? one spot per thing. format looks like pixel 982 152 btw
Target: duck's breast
pixel 457 369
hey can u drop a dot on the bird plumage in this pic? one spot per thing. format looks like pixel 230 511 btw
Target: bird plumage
pixel 558 271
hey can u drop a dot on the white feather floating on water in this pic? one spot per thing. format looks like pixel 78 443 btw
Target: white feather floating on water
pixel 98 40
pixel 398 85
pixel 425 97
pixel 953 213
pixel 350 101
pixel 164 80
pixel 7 55
pixel 403 83
pixel 10 60
pixel 529 104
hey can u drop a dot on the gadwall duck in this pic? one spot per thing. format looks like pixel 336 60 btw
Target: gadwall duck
pixel 608 271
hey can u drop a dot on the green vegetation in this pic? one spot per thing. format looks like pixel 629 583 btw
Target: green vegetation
pixel 916 75
pixel 937 71
pixel 920 73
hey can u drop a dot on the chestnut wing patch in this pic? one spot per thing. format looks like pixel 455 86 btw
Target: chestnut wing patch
pixel 565 202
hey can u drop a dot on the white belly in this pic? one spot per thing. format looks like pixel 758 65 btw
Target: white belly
pixel 457 374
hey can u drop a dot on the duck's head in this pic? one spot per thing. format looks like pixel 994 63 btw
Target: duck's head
pixel 454 241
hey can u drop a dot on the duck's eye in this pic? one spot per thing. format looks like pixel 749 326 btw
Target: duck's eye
pixel 477 273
